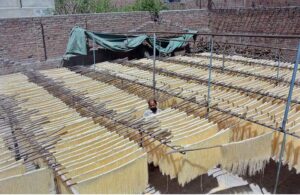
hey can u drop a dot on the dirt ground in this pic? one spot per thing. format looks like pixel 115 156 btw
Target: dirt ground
pixel 218 181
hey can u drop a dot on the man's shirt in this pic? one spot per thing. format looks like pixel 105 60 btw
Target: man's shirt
pixel 149 112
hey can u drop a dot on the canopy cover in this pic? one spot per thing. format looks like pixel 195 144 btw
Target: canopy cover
pixel 77 44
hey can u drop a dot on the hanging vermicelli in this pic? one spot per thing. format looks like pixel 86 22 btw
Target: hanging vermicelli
pixel 81 137
pixel 248 156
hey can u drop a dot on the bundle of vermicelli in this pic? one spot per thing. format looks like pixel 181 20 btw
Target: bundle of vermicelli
pixel 291 155
pixel 216 145
pixel 39 181
pixel 262 110
pixel 16 177
pixel 113 98
pixel 89 156
pixel 250 83
pixel 248 156
pixel 198 162
pixel 244 60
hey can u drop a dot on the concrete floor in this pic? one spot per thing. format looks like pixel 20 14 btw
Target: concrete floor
pixel 218 181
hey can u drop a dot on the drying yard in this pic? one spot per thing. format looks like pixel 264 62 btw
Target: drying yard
pixel 80 130
pixel 74 90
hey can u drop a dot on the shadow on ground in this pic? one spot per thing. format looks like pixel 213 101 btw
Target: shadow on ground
pixel 163 184
pixel 289 182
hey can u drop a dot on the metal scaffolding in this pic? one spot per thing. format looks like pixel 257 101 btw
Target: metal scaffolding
pixel 210 66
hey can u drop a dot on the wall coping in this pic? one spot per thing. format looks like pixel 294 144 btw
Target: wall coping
pixel 162 12
pixel 68 15
pixel 255 9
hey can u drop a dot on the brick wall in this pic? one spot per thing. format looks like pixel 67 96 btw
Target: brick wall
pixel 269 21
pixel 263 21
pixel 42 39
pixel 39 39
pixel 229 4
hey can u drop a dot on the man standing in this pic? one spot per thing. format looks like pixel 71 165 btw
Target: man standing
pixel 152 108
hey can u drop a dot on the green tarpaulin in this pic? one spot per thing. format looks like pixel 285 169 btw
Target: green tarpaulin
pixel 174 43
pixel 77 44
pixel 118 43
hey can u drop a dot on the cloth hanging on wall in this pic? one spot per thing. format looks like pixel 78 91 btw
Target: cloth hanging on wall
pixel 174 43
pixel 77 44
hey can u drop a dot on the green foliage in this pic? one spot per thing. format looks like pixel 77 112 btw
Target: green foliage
pixel 98 6
pixel 71 6
pixel 153 6
pixel 102 6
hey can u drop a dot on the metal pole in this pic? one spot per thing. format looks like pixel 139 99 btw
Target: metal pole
pixel 154 56
pixel 284 121
pixel 278 65
pixel 94 55
pixel 223 60
pixel 209 74
pixel 159 49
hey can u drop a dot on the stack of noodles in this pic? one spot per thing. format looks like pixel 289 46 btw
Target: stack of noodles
pixel 259 70
pixel 70 79
pixel 262 110
pixel 247 83
pixel 15 176
pixel 187 131
pixel 190 133
pixel 291 155
pixel 91 158
pixel 113 98
pixel 265 111
pixel 246 60
pixel 268 112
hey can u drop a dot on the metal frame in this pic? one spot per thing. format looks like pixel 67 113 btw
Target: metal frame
pixel 154 59
pixel 209 74
pixel 94 53
pixel 215 34
pixel 286 113
pixel 292 83
pixel 212 35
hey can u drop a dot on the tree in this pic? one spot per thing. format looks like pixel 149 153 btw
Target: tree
pixel 72 6
pixel 98 6
pixel 102 6
pixel 153 6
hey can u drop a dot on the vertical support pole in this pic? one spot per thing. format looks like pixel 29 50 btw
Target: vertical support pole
pixel 154 58
pixel 278 65
pixel 286 113
pixel 126 40
pixel 159 49
pixel 94 54
pixel 20 4
pixel 44 41
pixel 209 74
pixel 223 59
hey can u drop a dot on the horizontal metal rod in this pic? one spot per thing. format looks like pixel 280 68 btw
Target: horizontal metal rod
pixel 50 83
pixel 241 61
pixel 261 46
pixel 199 65
pixel 194 149
pixel 215 34
pixel 201 148
pixel 204 81
pixel 217 109
pixel 228 43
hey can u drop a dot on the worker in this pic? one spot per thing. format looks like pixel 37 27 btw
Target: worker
pixel 152 108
